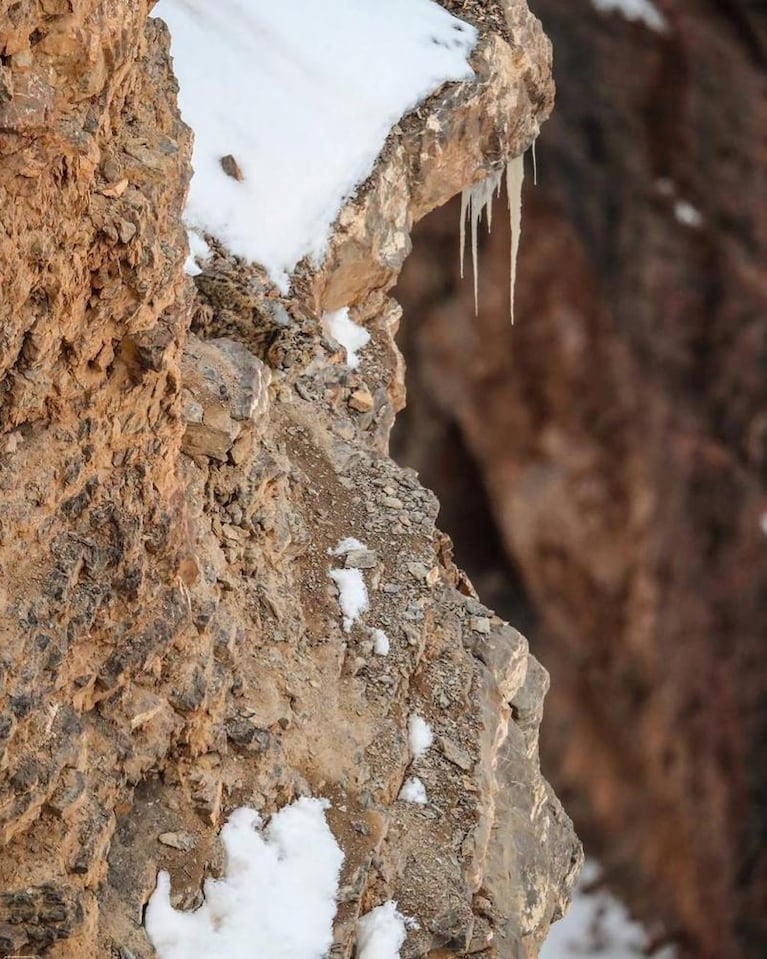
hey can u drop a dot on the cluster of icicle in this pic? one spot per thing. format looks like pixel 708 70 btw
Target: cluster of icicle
pixel 479 197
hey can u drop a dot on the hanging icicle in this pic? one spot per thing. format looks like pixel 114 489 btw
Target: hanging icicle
pixel 474 200
pixel 515 172
pixel 479 197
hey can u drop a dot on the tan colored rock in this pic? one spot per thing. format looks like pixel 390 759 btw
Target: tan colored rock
pixel 225 387
pixel 361 400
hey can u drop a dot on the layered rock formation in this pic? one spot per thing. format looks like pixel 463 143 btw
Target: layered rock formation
pixel 619 433
pixel 172 640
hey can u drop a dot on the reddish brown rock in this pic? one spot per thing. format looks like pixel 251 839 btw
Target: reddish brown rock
pixel 620 433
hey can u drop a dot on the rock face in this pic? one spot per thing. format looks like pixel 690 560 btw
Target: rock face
pixel 619 432
pixel 172 641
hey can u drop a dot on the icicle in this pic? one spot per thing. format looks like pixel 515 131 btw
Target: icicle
pixel 475 212
pixel 464 204
pixel 515 172
pixel 535 165
pixel 474 200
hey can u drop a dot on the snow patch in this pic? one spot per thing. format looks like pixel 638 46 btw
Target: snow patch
pixel 301 96
pixel 640 11
pixel 199 252
pixel 350 335
pixel 687 214
pixel 420 736
pixel 276 898
pixel 346 545
pixel 381 642
pixel 352 594
pixel 381 933
pixel 598 925
pixel 413 791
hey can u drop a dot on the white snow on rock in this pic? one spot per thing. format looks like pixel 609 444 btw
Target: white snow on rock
pixel 381 643
pixel 348 334
pixel 277 896
pixel 352 594
pixel 199 252
pixel 598 926
pixel 302 95
pixel 641 11
pixel 381 933
pixel 414 791
pixel 420 736
pixel 346 545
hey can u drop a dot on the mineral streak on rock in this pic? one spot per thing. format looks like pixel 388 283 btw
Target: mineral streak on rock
pixel 171 639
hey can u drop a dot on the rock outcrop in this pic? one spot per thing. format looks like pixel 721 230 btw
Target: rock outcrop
pixel 619 432
pixel 171 637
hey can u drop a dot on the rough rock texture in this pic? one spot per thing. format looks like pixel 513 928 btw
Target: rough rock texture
pixel 620 433
pixel 172 643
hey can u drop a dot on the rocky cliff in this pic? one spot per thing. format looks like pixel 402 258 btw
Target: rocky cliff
pixel 619 433
pixel 176 460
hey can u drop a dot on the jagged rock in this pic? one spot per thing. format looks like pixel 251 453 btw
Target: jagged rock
pixel 172 642
pixel 224 387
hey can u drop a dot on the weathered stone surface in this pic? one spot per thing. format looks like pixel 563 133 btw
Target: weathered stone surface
pixel 225 390
pixel 619 430
pixel 172 642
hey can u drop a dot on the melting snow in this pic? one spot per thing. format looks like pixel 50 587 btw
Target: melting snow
pixel 414 791
pixel 277 896
pixel 352 594
pixel 641 11
pixel 302 96
pixel 420 736
pixel 597 926
pixel 381 933
pixel 350 335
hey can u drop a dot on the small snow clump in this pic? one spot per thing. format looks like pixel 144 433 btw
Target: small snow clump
pixel 640 11
pixel 352 594
pixel 381 642
pixel 345 546
pixel 381 932
pixel 420 736
pixel 348 334
pixel 414 791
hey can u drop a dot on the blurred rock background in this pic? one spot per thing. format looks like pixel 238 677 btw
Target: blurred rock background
pixel 602 464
